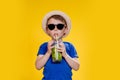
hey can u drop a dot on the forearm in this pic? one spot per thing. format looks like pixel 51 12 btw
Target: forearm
pixel 74 64
pixel 42 61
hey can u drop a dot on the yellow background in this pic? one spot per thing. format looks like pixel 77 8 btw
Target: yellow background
pixel 95 33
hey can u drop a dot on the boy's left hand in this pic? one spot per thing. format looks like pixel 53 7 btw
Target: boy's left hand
pixel 62 49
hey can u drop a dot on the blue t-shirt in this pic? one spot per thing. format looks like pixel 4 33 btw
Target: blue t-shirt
pixel 58 71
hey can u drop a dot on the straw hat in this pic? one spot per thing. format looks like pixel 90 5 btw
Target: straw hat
pixel 67 19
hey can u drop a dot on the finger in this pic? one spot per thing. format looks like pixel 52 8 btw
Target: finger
pixel 60 51
pixel 52 47
pixel 59 48
pixel 50 42
pixel 61 45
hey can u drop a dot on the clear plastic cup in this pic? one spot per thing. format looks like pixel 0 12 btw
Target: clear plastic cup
pixel 56 56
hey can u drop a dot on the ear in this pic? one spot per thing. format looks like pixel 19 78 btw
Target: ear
pixel 66 30
pixel 47 31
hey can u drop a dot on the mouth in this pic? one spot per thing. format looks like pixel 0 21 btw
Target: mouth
pixel 56 36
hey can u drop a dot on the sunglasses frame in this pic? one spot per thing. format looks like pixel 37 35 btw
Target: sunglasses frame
pixel 55 25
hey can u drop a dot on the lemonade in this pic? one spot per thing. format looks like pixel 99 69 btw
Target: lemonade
pixel 56 56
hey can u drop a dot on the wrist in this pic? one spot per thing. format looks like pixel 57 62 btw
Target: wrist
pixel 48 53
pixel 65 55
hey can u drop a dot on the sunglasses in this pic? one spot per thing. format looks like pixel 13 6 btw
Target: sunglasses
pixel 52 26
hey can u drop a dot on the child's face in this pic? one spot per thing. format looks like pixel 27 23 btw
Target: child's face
pixel 55 28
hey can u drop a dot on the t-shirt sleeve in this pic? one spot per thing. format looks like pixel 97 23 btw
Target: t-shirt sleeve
pixel 73 52
pixel 42 49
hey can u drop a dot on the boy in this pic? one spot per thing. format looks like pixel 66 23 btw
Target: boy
pixel 57 24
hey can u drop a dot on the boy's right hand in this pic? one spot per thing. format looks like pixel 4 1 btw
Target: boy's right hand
pixel 49 46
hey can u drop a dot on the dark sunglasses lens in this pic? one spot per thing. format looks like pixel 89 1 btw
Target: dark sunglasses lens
pixel 60 26
pixel 51 26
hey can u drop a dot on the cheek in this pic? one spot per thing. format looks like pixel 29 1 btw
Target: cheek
pixel 51 33
pixel 61 32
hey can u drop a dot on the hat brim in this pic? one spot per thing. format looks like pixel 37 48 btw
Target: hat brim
pixel 67 19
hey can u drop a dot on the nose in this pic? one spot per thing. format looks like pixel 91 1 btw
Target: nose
pixel 55 28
